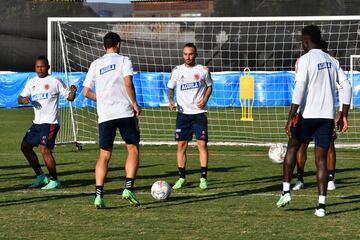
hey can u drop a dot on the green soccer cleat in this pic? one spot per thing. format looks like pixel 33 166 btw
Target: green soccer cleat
pixel 40 181
pixel 52 184
pixel 203 183
pixel 99 202
pixel 181 182
pixel 284 199
pixel 131 197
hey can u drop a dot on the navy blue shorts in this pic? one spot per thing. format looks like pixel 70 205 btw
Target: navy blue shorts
pixel 128 127
pixel 188 124
pixel 318 128
pixel 42 134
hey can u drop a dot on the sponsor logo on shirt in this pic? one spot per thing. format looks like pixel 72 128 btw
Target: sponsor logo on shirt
pixel 324 65
pixel 40 96
pixel 107 69
pixel 188 86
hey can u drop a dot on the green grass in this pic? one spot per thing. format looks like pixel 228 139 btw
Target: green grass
pixel 239 204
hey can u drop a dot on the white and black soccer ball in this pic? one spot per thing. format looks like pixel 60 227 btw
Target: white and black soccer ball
pixel 160 190
pixel 277 153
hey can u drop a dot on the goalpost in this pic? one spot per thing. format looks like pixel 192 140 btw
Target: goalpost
pixel 266 46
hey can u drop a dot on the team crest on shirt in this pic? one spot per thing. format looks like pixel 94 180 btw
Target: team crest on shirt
pixel 197 76
pixel 46 87
pixel 33 88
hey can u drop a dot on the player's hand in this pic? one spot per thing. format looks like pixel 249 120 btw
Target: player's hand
pixel 288 128
pixel 338 116
pixel 25 100
pixel 342 124
pixel 137 109
pixel 73 88
pixel 172 106
pixel 201 104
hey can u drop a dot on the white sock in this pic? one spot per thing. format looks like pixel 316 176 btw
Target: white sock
pixel 286 186
pixel 322 199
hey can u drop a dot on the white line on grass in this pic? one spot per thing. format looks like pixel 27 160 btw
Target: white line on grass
pixel 203 194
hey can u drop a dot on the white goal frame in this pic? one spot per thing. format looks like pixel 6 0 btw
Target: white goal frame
pixel 185 19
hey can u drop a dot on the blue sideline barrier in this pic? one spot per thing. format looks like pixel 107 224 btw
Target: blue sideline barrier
pixel 271 89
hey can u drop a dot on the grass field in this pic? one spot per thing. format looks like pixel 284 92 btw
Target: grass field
pixel 239 204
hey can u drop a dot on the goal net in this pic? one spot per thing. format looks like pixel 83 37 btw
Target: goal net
pixel 246 107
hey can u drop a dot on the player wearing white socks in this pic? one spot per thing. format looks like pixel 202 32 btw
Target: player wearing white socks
pixel 317 75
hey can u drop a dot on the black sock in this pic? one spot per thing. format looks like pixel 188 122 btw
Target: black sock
pixel 181 172
pixel 321 205
pixel 204 172
pixel 53 175
pixel 300 175
pixel 331 175
pixel 99 191
pixel 37 170
pixel 129 184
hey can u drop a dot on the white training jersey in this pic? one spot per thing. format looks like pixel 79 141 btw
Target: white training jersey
pixel 107 75
pixel 317 77
pixel 191 84
pixel 44 95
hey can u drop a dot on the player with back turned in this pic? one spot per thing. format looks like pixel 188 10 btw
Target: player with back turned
pixel 301 155
pixel 43 92
pixel 317 77
pixel 117 108
pixel 193 89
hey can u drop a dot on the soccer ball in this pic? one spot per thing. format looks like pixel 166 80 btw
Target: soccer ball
pixel 160 190
pixel 277 153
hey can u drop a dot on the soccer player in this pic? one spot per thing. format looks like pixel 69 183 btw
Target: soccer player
pixel 117 108
pixel 301 155
pixel 193 89
pixel 317 75
pixel 43 93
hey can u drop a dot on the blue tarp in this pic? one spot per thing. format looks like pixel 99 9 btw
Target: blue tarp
pixel 271 89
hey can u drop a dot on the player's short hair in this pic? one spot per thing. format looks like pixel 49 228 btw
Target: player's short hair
pixel 111 39
pixel 191 45
pixel 43 58
pixel 323 45
pixel 313 32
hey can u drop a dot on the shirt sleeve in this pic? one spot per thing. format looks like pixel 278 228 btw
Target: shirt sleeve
pixel 208 79
pixel 173 79
pixel 90 77
pixel 128 67
pixel 301 79
pixel 26 91
pixel 344 87
pixel 63 90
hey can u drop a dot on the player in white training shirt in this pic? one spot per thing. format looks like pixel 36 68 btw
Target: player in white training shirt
pixel 43 93
pixel 301 155
pixel 193 89
pixel 117 108
pixel 317 75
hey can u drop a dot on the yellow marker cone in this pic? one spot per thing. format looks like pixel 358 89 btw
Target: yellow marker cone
pixel 247 95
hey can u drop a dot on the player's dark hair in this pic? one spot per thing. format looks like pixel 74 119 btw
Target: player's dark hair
pixel 43 58
pixel 111 39
pixel 191 45
pixel 313 32
pixel 323 45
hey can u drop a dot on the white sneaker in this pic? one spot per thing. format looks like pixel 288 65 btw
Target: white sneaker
pixel 284 199
pixel 320 212
pixel 298 185
pixel 331 185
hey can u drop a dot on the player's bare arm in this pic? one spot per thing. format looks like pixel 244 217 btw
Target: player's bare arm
pixel 23 100
pixel 291 116
pixel 72 93
pixel 131 92
pixel 341 123
pixel 88 93
pixel 202 103
pixel 171 99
